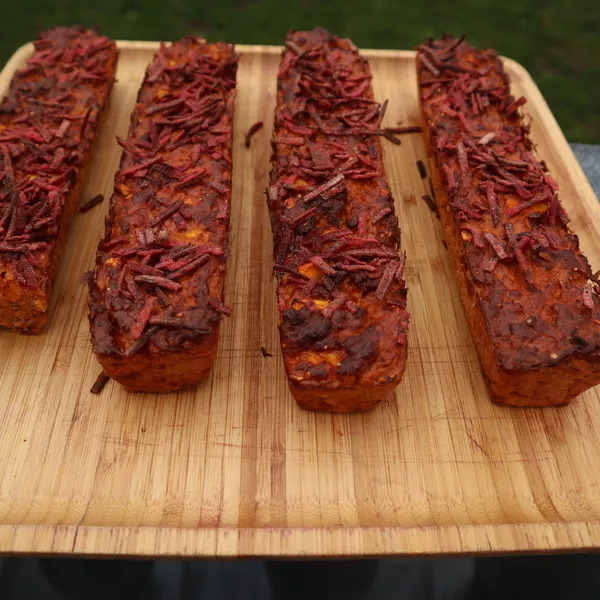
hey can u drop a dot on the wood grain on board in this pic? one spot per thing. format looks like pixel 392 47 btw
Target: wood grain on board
pixel 234 467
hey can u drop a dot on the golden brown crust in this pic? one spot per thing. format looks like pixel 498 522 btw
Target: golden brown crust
pixel 547 386
pixel 341 292
pixel 156 297
pixel 48 123
pixel 533 318
pixel 164 371
pixel 359 398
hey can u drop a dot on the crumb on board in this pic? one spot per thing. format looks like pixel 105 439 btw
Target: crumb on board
pixel 431 204
pixel 100 382
pixel 97 199
pixel 407 129
pixel 253 129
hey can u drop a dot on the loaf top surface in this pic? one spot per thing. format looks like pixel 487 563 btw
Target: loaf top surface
pixel 160 267
pixel 341 294
pixel 534 286
pixel 48 122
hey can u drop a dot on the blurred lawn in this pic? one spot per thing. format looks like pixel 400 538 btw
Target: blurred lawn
pixel 558 41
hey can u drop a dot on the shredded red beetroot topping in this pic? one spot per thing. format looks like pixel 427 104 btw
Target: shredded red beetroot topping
pixel 335 229
pixel 534 284
pixel 48 122
pixel 160 267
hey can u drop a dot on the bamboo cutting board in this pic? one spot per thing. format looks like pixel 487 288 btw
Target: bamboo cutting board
pixel 233 467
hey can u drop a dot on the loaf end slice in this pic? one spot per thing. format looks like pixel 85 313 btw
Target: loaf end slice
pixel 49 121
pixel 156 295
pixel 340 291
pixel 528 291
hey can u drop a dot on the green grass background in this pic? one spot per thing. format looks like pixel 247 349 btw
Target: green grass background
pixel 558 41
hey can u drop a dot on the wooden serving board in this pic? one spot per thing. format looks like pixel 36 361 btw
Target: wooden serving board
pixel 233 467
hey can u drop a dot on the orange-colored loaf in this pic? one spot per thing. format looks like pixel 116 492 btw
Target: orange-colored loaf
pixel 157 292
pixel 341 292
pixel 527 290
pixel 48 123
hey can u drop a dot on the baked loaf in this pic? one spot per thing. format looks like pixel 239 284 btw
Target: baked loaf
pixel 527 290
pixel 48 123
pixel 157 292
pixel 340 290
